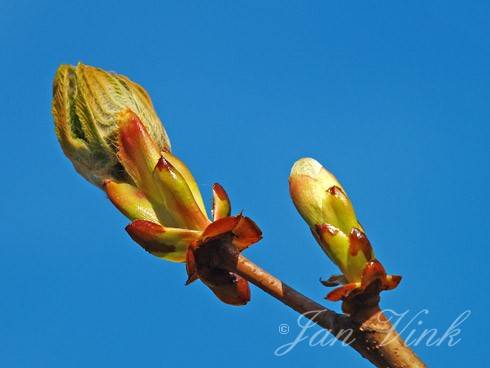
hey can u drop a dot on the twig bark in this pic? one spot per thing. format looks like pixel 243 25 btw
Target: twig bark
pixel 371 334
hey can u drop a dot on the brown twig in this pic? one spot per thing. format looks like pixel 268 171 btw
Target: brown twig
pixel 369 331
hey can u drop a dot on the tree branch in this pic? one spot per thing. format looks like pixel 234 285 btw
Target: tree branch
pixel 373 336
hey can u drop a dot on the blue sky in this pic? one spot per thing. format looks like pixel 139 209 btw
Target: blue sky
pixel 393 97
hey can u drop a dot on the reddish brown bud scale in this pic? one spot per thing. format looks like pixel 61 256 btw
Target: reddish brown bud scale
pixel 392 281
pixel 145 232
pixel 334 280
pixel 327 228
pixel 222 240
pixel 342 292
pixel 335 190
pixel 220 192
pixel 246 232
pixel 221 203
pixel 373 280
pixel 190 266
pixel 163 164
pixel 373 271
pixel 137 151
pixel 130 131
pixel 359 242
pixel 235 292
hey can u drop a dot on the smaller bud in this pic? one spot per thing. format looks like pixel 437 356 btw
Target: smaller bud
pixel 319 197
pixel 326 208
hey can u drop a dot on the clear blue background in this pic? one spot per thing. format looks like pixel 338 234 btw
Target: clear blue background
pixel 391 96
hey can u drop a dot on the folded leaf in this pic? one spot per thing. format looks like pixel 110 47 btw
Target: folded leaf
pixel 86 104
